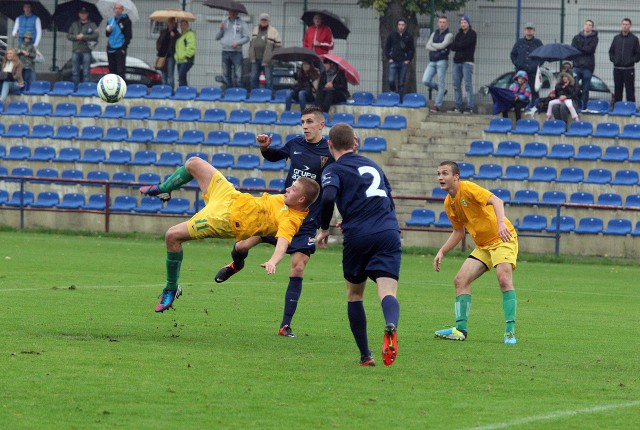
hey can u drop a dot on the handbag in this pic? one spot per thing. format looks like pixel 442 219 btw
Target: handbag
pixel 160 62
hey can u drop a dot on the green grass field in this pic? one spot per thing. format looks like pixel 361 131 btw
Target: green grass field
pixel 82 348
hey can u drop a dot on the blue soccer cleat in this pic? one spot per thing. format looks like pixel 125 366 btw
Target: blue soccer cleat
pixel 510 338
pixel 166 299
pixel 451 334
pixel 155 191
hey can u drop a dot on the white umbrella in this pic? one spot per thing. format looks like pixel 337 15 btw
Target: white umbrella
pixel 106 8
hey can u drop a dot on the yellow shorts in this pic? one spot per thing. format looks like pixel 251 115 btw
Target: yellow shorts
pixel 498 252
pixel 213 219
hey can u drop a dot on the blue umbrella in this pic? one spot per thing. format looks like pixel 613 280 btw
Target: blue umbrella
pixel 554 52
pixel 67 13
pixel 503 99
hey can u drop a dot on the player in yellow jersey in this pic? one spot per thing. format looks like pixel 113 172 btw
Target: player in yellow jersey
pixel 482 213
pixel 229 213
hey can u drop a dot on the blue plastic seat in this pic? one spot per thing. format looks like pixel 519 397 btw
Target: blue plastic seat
pixel 233 180
pixel 149 205
pixel 243 138
pixel 72 201
pixel 68 155
pixel 176 206
pixel 136 91
pixel 139 112
pixel 561 151
pixel 609 199
pixel 214 115
pixel 616 153
pixel 92 132
pixel 292 136
pixel 580 129
pixel 149 178
pixel 86 89
pixel 438 192
pixel 20 172
pixel 499 125
pixel 581 198
pixel 39 88
pixel 274 165
pixel 414 100
pixel 345 117
pixel 533 222
pixel 368 120
pixel 526 126
pixel 259 95
pixel 630 131
pixel 632 200
pixel 618 227
pixel 62 88
pixel 598 107
pixel 209 94
pixel 625 177
pixel 480 148
pixel 189 114
pixel 114 111
pixel 26 196
pixel 252 182
pixel 277 184
pixel 565 224
pixel 265 116
pixel 443 221
pixel 118 156
pixel 18 152
pixel 46 199
pixel 280 96
pixel 124 204
pixel 127 177
pixel 589 225
pixel 4 197
pixel 488 171
pixel 598 176
pixel 160 92
pixel 164 113
pixel 89 110
pixel 516 172
pixel 96 202
pixel 421 218
pixel 507 148
pixel 222 160
pixel 534 150
pixel 588 152
pixel 167 136
pixel 43 153
pixel 93 155
pixel 141 135
pixel 374 144
pixel 169 158
pixel 65 110
pixel 502 193
pixel 363 98
pixel 144 157
pixel 623 109
pixel 468 170
pixel 607 130
pixel 394 122
pixel 234 95
pixel 16 107
pixel 185 93
pixel 198 154
pixel 239 116
pixel 116 134
pixel 218 138
pixel 192 137
pixel 17 130
pixel 67 132
pixel 290 117
pixel 553 127
pixel 41 109
pixel 543 174
pixel 247 161
pixel 97 175
pixel 554 197
pixel 388 99
pixel 526 196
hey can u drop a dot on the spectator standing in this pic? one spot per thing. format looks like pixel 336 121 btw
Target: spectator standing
pixel 26 54
pixel 521 51
pixel 306 86
pixel 12 70
pixel 333 87
pixel 464 46
pixel 166 47
pixel 232 35
pixel 400 50
pixel 586 42
pixel 119 35
pixel 185 52
pixel 438 47
pixel 83 34
pixel 264 40
pixel 624 53
pixel 318 36
pixel 27 22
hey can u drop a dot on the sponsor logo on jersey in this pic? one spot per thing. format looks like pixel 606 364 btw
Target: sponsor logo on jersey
pixel 464 203
pixel 323 161
pixel 297 152
pixel 311 241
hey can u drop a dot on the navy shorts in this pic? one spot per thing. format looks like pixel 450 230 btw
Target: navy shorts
pixel 373 256
pixel 304 241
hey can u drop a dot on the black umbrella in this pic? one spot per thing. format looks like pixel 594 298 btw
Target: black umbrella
pixel 226 5
pixel 296 54
pixel 554 52
pixel 330 19
pixel 13 9
pixel 67 13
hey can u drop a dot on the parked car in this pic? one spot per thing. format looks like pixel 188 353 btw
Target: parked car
pixel 137 71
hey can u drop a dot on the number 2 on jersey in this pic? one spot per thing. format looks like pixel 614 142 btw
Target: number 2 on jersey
pixel 373 190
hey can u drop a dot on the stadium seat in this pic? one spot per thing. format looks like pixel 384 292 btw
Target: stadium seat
pixel 163 92
pixel 149 178
pixel 234 181
pixel 68 155
pixel 413 100
pixel 192 137
pixel 18 152
pixel 167 136
pixel 89 110
pixel 274 165
pixel 40 88
pixel 247 161
pixel 3 151
pixel 618 227
pixel 480 148
pixel 516 172
pixel 144 157
pixel 71 174
pixel 265 116
pixel 632 200
pixel 239 116
pixel 222 160
pixel 276 140
pixel 345 117
pixel 616 153
pixel 259 95
pixel 16 107
pixel 635 155
pixel 499 125
pixel 580 129
pixel 388 99
pixel 198 154
pixel 252 182
pixel 553 127
pixel 543 174
pixel 609 199
pixel 630 131
pixel 243 138
pixel 526 196
pixel 534 150
pixel 141 135
pixel 598 176
pixel 588 152
pixel 97 175
pixel 598 107
pixel 488 171
pixel 209 94
pixel 623 109
pixel 507 148
pixel 363 98
pixel 116 134
pixel 139 112
pixel 561 151
pixel 41 109
pixel 502 193
pixel 421 218
pixel 589 225
pixel 292 136
pixel 127 177
pixel 565 224
pixel 72 201
pixel 4 171
pixel 554 197
pixel 4 197
pixel 46 199
pixel 26 197
pixel 86 89
pixel 373 144
pixel 169 158
pixel 136 91
pixel 533 222
pixel 277 184
pixel 149 205
pixel 214 115
pixel 218 138
pixel 234 95
pixel 113 111
pixel 526 126
pixel 65 110
pixel 189 114
pixel 118 156
pixel 468 170
pixel 123 204
pixel 67 132
pixel 20 172
pixel 290 117
pixel 92 132
pixel 607 130
pixel 625 177
pixel 43 153
pixel 93 155
pixel 443 221
pixel 176 206
pixel 279 96
pixel 581 198
pixel 96 202
pixel 17 130
pixel 394 122
pixel 185 93
pixel 62 88
pixel 164 113
pixel 368 120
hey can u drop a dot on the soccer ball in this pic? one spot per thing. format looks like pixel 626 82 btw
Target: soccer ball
pixel 111 88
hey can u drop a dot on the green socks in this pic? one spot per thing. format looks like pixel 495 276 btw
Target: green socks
pixel 509 303
pixel 176 180
pixel 174 260
pixel 463 304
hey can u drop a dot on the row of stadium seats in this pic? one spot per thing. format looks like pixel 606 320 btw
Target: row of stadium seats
pixel 193 114
pixel 563 151
pixel 558 128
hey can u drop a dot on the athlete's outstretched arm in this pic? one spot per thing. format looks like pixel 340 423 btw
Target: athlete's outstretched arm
pixel 281 249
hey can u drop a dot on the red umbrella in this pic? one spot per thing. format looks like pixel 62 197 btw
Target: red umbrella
pixel 353 77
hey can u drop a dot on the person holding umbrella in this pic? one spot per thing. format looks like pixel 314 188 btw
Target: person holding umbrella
pixel 83 34
pixel 306 86
pixel 333 86
pixel 166 48
pixel 232 35
pixel 318 37
pixel 26 54
pixel 28 22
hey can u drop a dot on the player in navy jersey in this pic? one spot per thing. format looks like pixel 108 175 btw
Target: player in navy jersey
pixel 371 233
pixel 309 155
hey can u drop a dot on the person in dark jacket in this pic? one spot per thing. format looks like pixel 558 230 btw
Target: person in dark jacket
pixel 624 53
pixel 566 93
pixel 464 46
pixel 166 47
pixel 399 50
pixel 304 91
pixel 520 54
pixel 333 86
pixel 586 42
pixel 119 35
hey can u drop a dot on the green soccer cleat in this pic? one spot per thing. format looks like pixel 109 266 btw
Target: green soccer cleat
pixel 451 334
pixel 510 338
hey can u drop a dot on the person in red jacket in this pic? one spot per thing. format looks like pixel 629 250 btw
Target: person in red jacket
pixel 318 37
